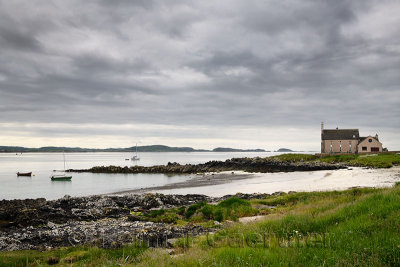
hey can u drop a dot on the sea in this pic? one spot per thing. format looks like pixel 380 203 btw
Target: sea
pixel 42 166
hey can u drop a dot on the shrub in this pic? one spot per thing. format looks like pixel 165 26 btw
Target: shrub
pixel 207 211
pixel 193 208
pixel 218 215
pixel 181 211
pixel 233 202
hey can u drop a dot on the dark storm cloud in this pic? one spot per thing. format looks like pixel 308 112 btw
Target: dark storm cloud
pixel 17 40
pixel 209 63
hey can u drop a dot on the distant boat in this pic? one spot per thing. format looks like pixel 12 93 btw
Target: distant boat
pixel 135 157
pixel 24 173
pixel 61 177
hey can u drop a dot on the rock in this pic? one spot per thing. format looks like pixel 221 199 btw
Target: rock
pixel 103 221
pixel 246 164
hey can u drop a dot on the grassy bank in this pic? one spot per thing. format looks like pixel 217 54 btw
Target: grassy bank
pixel 358 227
pixel 75 256
pixel 386 160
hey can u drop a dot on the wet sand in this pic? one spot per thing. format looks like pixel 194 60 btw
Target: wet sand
pixel 202 180
pixel 224 183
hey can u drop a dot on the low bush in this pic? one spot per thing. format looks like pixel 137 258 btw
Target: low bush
pixel 193 208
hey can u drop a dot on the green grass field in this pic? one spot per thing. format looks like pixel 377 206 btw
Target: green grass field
pixel 386 160
pixel 357 227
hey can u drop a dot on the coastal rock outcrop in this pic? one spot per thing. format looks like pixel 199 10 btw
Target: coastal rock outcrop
pixel 30 212
pixel 245 164
pixel 105 233
pixel 104 221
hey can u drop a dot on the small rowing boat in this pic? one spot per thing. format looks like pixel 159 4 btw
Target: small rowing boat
pixel 24 173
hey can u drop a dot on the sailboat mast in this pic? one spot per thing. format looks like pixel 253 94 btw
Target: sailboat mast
pixel 136 149
pixel 64 160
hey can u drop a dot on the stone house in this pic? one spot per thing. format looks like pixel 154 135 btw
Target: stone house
pixel 369 144
pixel 347 141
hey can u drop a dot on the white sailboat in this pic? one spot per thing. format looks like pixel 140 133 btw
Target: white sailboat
pixel 63 176
pixel 135 157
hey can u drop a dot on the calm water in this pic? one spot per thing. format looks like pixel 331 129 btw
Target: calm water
pixel 43 164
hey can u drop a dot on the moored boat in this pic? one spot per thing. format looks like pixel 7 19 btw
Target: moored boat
pixel 135 157
pixel 61 177
pixel 24 173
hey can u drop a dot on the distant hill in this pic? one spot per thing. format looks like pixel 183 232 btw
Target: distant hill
pixel 46 149
pixel 284 150
pixel 152 148
pixel 227 149
pixel 162 148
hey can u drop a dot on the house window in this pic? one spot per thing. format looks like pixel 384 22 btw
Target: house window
pixel 340 144
pixel 331 146
pixel 349 146
pixel 370 140
pixel 364 148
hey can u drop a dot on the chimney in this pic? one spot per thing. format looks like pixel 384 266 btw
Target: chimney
pixel 322 126
pixel 376 137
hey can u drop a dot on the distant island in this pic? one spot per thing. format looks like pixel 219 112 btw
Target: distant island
pixel 284 150
pixel 152 148
pixel 227 149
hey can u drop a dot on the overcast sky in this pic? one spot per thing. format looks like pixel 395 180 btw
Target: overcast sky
pixel 246 74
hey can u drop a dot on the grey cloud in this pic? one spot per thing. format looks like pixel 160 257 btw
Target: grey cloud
pixel 18 40
pixel 208 63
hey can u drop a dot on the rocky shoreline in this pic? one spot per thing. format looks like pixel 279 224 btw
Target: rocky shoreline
pixel 257 164
pixel 104 221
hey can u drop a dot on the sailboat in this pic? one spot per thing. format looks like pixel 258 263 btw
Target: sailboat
pixel 61 177
pixel 135 157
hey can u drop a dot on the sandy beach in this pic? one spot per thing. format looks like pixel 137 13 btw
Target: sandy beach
pixel 223 183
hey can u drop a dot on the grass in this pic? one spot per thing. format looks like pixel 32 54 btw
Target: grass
pixel 357 227
pixel 295 157
pixel 385 160
pixel 370 160
pixel 79 256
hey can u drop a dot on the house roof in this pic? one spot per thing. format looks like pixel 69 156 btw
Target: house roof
pixel 340 134
pixel 373 137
